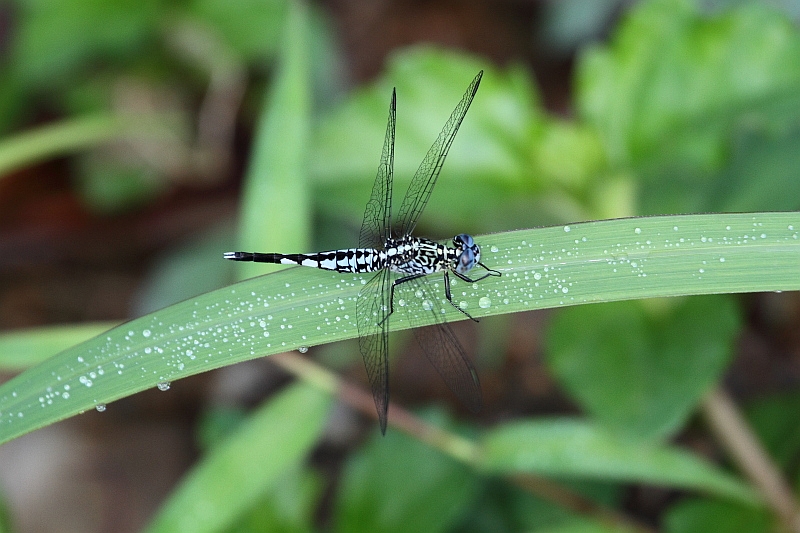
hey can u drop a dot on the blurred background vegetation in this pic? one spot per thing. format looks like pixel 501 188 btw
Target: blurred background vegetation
pixel 132 137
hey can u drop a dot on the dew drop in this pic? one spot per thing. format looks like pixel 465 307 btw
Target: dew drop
pixel 164 386
pixel 637 231
pixel 485 302
pixel 566 229
pixel 427 305
pixel 494 249
pixel 303 349
pixel 147 333
pixel 100 407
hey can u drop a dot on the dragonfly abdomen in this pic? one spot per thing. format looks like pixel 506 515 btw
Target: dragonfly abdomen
pixel 348 260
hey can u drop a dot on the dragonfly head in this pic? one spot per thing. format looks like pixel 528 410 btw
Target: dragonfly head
pixel 469 253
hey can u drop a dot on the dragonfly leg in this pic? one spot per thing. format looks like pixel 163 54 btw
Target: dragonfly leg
pixel 450 297
pixel 489 272
pixel 391 293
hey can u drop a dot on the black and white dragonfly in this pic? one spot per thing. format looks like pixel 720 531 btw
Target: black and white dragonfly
pixel 402 263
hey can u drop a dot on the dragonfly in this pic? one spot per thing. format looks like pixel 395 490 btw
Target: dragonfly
pixel 402 264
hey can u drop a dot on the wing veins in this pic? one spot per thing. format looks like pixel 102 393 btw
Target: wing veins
pixel 376 227
pixel 441 346
pixel 421 187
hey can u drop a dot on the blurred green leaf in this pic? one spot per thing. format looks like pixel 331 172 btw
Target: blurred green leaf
pixel 79 133
pixel 276 198
pixel 672 91
pixel 577 525
pixel 287 507
pixel 776 422
pixel 573 448
pixel 251 27
pixel 399 484
pixel 218 421
pixel 237 472
pixel 673 83
pixel 12 98
pixel 762 173
pixel 640 370
pixel 704 516
pixel 504 508
pixel 58 38
pixel 108 185
pixel 6 522
pixel 25 348
pixel 185 271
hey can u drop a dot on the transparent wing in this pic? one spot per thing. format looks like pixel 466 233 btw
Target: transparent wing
pixel 376 227
pixel 425 178
pixel 438 341
pixel 372 306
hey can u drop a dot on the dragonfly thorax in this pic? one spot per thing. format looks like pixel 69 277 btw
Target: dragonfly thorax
pixel 417 255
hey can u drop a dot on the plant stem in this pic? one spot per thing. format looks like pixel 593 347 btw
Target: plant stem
pixel 743 447
pixel 75 134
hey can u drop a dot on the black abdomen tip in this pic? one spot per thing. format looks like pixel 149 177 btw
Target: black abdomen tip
pixel 238 256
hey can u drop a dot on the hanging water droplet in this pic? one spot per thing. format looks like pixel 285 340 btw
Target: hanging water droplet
pixel 164 385
pixel 100 407
pixel 303 349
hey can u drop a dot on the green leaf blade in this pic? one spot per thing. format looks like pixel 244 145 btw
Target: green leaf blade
pixel 398 484
pixel 642 367
pixel 236 473
pixel 572 448
pixel 542 268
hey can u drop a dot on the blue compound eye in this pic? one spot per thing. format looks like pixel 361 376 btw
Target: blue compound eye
pixel 464 239
pixel 466 261
pixel 470 253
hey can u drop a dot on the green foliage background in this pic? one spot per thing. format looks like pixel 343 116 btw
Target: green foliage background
pixel 681 111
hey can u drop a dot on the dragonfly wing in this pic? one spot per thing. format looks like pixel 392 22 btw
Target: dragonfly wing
pixel 372 308
pixel 425 178
pixel 376 227
pixel 439 343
